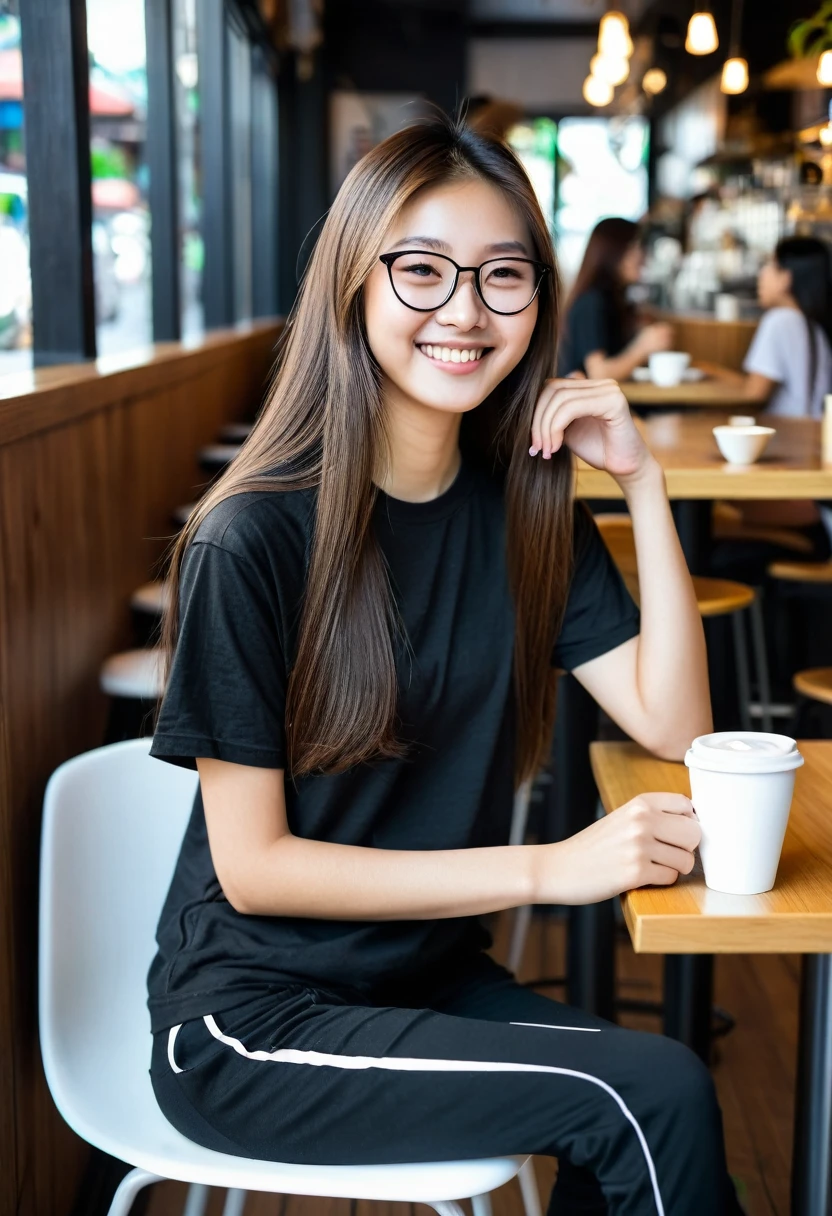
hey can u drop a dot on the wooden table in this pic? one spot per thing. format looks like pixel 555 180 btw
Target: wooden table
pixel 795 917
pixel 696 473
pixel 714 392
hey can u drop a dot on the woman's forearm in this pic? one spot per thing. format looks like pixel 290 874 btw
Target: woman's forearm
pixel 671 666
pixel 298 877
pixel 615 367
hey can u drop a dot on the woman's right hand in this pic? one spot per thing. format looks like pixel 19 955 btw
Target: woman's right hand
pixel 655 337
pixel 649 841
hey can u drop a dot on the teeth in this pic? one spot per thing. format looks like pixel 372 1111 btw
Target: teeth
pixel 452 354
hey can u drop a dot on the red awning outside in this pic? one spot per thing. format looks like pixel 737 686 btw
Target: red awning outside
pixel 105 100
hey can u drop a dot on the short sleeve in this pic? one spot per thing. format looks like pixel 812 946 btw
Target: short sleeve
pixel 600 612
pixel 769 352
pixel 225 696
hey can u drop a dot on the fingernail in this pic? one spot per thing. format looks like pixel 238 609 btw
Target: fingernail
pixel 547 455
pixel 533 451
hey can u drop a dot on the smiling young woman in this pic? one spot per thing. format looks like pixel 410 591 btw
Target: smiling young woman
pixel 370 606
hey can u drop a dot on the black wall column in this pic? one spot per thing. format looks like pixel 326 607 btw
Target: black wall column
pixel 161 159
pixel 217 278
pixel 56 107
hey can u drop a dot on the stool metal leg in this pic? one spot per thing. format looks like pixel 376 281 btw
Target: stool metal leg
pixel 812 1149
pixel 481 1205
pixel 758 642
pixel 235 1201
pixel 129 1188
pixel 528 1189
pixel 197 1200
pixel 743 678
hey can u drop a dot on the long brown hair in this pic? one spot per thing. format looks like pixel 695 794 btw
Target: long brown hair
pixel 323 426
pixel 608 242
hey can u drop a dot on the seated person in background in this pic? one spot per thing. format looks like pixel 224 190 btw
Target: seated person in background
pixel 600 335
pixel 789 362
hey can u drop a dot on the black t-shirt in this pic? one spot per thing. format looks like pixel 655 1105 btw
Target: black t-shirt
pixel 592 324
pixel 243 580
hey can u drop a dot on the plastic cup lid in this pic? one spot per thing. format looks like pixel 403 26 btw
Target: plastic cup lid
pixel 743 751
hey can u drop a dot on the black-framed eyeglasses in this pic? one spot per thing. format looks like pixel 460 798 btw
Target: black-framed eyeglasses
pixel 426 281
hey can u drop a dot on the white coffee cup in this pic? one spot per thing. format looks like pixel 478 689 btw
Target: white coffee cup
pixel 742 444
pixel 741 785
pixel 667 367
pixel 726 307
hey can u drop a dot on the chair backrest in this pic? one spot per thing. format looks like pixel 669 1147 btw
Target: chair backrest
pixel 113 824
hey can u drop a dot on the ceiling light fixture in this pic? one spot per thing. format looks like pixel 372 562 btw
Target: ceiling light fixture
pixel 825 68
pixel 614 38
pixel 597 92
pixel 702 38
pixel 654 81
pixel 735 69
pixel 614 70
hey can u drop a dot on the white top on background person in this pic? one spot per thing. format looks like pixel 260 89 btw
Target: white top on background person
pixel 790 358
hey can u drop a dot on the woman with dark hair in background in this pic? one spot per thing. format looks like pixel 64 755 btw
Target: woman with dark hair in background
pixel 601 335
pixel 789 362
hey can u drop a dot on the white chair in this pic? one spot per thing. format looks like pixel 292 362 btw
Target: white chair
pixel 113 824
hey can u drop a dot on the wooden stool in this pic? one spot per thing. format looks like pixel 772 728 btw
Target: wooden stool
pixel 235 432
pixel 147 604
pixel 815 683
pixel 217 457
pixel 133 680
pixel 727 524
pixel 816 573
pixel 714 597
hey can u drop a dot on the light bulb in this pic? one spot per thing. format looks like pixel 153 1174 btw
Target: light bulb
pixel 614 38
pixel 825 68
pixel 734 76
pixel 654 80
pixel 613 70
pixel 825 135
pixel 597 91
pixel 702 37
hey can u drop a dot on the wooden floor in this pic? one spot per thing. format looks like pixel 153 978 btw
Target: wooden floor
pixel 754 1069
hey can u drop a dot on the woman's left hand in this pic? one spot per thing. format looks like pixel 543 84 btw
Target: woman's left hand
pixel 593 419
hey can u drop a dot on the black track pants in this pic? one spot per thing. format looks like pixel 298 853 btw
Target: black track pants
pixel 475 1066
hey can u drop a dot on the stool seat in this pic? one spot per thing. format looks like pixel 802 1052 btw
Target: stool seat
pixel 136 674
pixel 182 514
pixel 728 524
pixel 720 596
pixel 235 432
pixel 714 596
pixel 802 572
pixel 217 455
pixel 815 683
pixel 151 598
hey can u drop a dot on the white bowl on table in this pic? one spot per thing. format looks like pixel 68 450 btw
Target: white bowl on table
pixel 742 444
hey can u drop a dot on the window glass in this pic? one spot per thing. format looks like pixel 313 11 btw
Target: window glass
pixel 535 143
pixel 189 130
pixel 118 132
pixel 602 171
pixel 15 280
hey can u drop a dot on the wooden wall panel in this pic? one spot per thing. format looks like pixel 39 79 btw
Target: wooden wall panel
pixel 91 466
pixel 711 341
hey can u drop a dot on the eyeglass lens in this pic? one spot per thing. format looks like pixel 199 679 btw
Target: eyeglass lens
pixel 425 280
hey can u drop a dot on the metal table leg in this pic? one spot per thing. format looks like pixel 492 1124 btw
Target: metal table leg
pixel 812 1150
pixel 688 995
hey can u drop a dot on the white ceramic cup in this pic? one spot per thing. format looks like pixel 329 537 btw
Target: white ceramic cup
pixel 667 367
pixel 742 444
pixel 741 785
pixel 742 420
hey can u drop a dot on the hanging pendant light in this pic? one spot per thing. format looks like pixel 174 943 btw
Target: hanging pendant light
pixel 734 76
pixel 825 68
pixel 614 36
pixel 654 81
pixel 614 70
pixel 597 92
pixel 702 38
pixel 735 70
